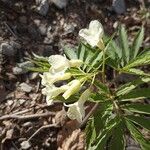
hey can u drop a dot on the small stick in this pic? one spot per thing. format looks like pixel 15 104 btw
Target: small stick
pixel 22 112
pixel 8 27
pixel 43 127
pixel 14 145
pixel 89 114
pixel 33 116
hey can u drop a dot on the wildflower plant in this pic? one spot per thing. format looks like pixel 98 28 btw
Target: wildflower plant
pixel 90 73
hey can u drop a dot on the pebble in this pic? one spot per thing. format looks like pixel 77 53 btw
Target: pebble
pixel 33 76
pixel 69 28
pixel 27 124
pixel 43 7
pixel 25 87
pixel 7 49
pixel 10 102
pixel 25 145
pixel 119 6
pixel 42 29
pixel 21 101
pixel 21 67
pixel 48 50
pixel 60 3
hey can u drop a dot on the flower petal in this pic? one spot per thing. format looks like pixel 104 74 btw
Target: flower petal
pixel 76 110
pixel 58 63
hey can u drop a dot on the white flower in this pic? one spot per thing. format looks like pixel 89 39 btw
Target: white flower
pixel 93 35
pixel 58 63
pixel 76 110
pixel 52 91
pixel 49 78
pixel 74 86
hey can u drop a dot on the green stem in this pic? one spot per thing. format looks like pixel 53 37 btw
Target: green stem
pixel 103 67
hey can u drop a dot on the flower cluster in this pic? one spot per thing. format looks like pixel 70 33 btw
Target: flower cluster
pixel 59 72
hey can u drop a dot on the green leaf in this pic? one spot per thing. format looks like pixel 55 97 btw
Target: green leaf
pixel 90 133
pixel 138 108
pixel 37 69
pixel 145 144
pixel 40 58
pixel 117 140
pixel 136 94
pixel 143 59
pixel 40 63
pixel 87 60
pixel 124 43
pixel 137 43
pixel 101 140
pixel 126 88
pixel 81 52
pixel 136 72
pixel 139 120
pixel 96 59
pixel 97 123
pixel 70 53
pixel 99 97
pixel 101 87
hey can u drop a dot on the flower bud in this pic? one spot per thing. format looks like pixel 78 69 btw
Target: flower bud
pixel 74 86
pixel 48 78
pixel 75 62
pixel 53 91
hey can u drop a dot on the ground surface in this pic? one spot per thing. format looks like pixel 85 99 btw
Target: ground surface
pixel 24 114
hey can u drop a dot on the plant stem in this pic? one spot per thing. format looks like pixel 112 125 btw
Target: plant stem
pixel 88 115
pixel 92 111
pixel 103 67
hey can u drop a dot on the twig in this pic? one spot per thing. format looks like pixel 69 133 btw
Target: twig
pixel 43 127
pixel 22 112
pixel 8 27
pixel 14 145
pixel 89 114
pixel 14 116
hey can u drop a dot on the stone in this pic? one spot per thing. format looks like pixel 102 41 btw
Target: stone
pixel 69 28
pixel 43 7
pixel 25 145
pixel 33 75
pixel 21 101
pixel 25 87
pixel 33 31
pixel 21 68
pixel 42 29
pixel 7 49
pixel 60 3
pixel 119 6
pixel 48 50
pixel 10 102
